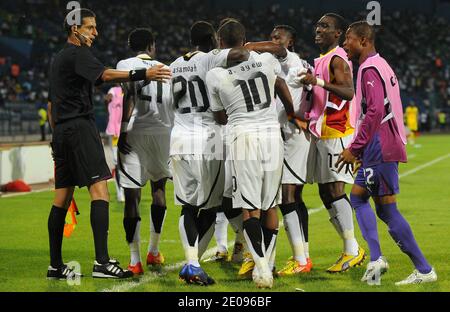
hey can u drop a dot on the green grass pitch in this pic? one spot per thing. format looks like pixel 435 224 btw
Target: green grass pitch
pixel 424 201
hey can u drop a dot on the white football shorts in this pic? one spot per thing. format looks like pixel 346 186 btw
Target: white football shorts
pixel 147 161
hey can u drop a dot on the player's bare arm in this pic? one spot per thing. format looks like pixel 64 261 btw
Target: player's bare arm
pixel 221 117
pixel 127 110
pixel 267 46
pixel 157 73
pixel 282 91
pixel 343 85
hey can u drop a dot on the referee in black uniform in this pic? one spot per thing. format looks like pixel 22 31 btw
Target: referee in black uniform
pixel 77 148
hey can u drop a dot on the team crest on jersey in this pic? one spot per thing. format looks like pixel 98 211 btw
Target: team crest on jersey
pixel 215 51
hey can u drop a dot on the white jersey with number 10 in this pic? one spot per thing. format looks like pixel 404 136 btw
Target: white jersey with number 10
pixel 246 92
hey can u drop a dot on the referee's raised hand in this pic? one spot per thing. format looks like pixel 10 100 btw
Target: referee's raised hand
pixel 158 72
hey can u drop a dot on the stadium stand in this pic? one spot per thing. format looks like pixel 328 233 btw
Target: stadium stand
pixel 417 45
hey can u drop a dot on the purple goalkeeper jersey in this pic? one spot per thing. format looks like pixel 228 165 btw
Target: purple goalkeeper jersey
pixel 377 138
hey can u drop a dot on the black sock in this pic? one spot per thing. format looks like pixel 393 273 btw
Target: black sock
pixel 252 227
pixel 157 214
pixel 304 218
pixel 287 208
pixel 56 221
pixel 268 235
pixel 129 224
pixel 100 225
pixel 206 218
pixel 190 225
pixel 232 213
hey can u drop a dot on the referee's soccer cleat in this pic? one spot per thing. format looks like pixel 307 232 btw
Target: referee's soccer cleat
pixel 418 278
pixel 62 273
pixel 136 269
pixel 155 260
pixel 347 261
pixel 246 270
pixel 110 270
pixel 294 267
pixel 374 271
pixel 219 256
pixel 195 275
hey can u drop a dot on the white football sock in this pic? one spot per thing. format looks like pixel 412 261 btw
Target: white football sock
pixel 306 248
pixel 271 251
pixel 135 254
pixel 190 252
pixel 153 242
pixel 294 233
pixel 341 215
pixel 221 231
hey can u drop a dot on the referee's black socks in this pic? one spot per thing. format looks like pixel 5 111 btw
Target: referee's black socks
pixel 100 225
pixel 56 221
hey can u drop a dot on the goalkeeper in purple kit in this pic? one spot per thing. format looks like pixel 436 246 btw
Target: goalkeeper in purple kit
pixel 379 144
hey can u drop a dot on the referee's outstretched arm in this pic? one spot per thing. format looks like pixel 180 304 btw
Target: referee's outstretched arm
pixel 157 72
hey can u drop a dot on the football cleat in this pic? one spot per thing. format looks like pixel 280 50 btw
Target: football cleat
pixel 417 278
pixel 245 272
pixel 136 269
pixel 110 270
pixel 309 263
pixel 62 273
pixel 238 253
pixel 155 260
pixel 374 271
pixel 294 267
pixel 195 275
pixel 218 257
pixel 347 261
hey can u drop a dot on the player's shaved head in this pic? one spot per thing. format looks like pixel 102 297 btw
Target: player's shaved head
pixel 363 30
pixel 203 34
pixel 232 33
pixel 140 39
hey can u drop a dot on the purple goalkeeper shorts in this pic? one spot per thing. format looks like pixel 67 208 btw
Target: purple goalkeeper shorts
pixel 379 180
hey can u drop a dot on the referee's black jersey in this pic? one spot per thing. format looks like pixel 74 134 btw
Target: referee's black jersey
pixel 74 72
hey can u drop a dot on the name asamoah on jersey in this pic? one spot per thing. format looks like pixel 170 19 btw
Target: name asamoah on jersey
pixel 184 69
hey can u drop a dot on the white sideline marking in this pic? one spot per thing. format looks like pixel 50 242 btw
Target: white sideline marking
pixel 418 168
pixel 47 189
pixel 125 286
pixel 25 193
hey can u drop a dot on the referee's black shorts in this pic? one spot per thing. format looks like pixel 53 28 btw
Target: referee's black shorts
pixel 78 154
